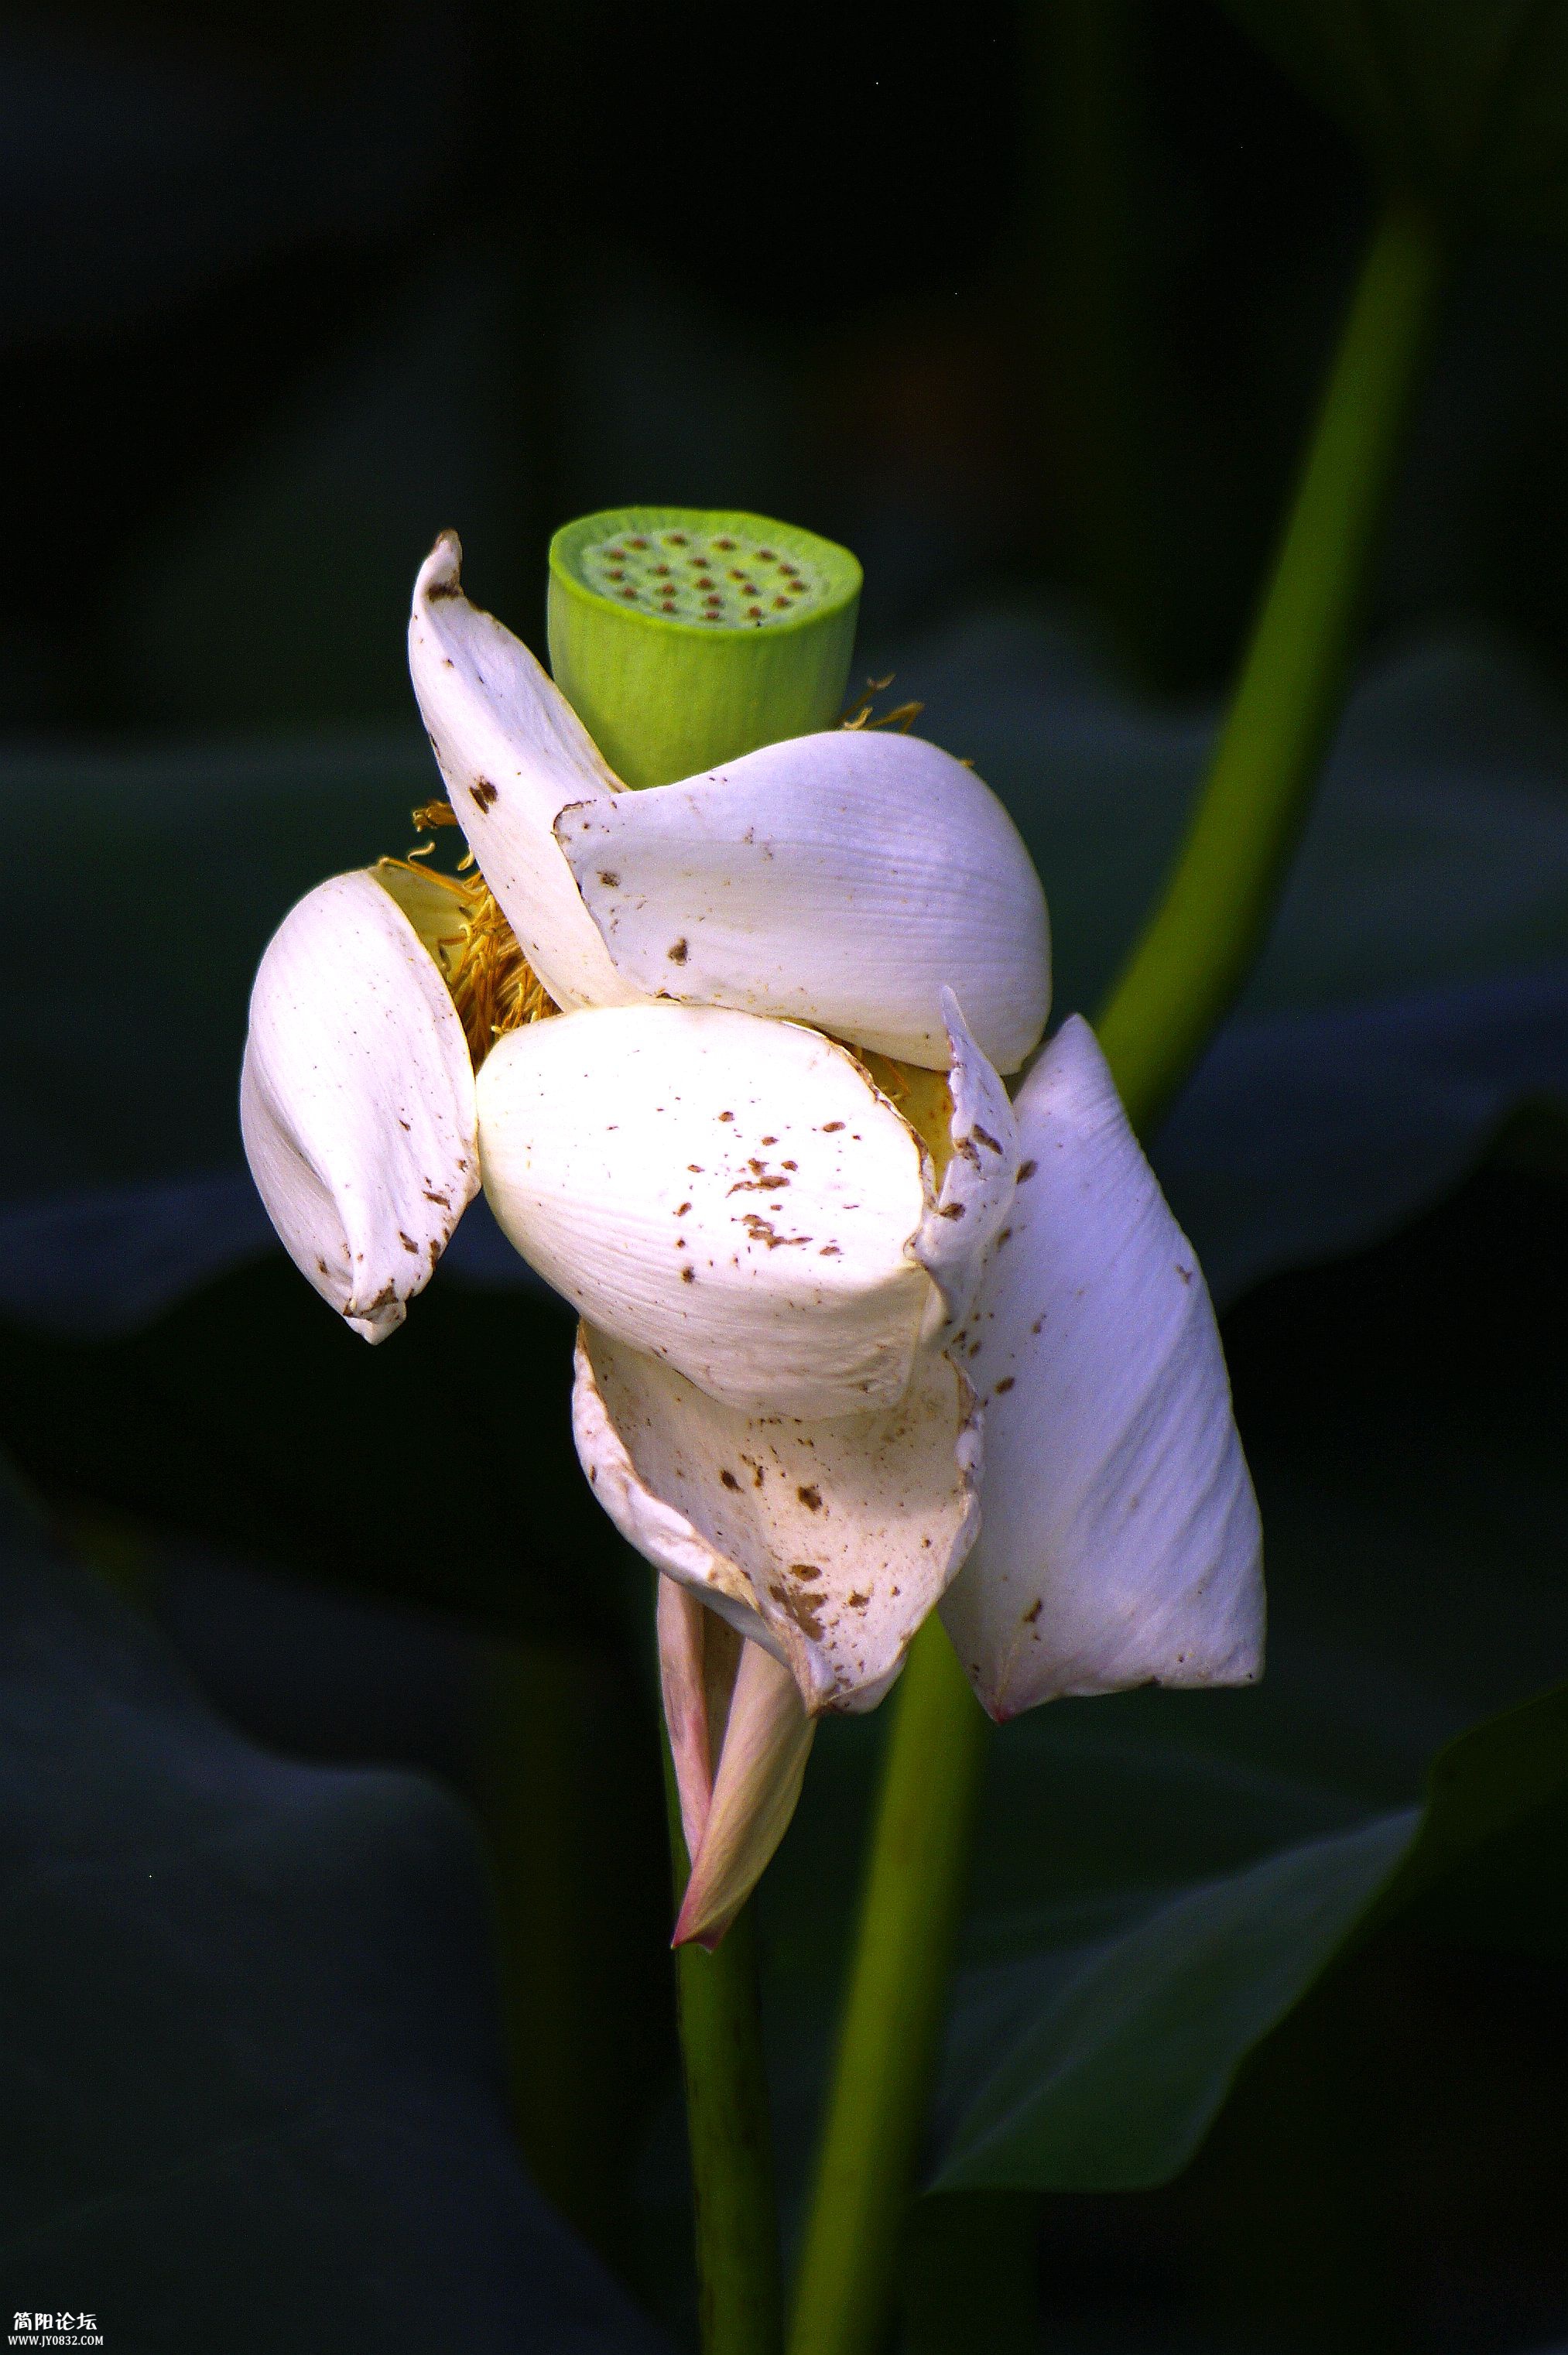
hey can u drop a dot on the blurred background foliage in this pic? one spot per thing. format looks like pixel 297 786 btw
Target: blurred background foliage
pixel 1257 2045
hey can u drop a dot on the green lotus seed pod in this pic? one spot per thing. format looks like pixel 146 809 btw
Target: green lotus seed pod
pixel 685 637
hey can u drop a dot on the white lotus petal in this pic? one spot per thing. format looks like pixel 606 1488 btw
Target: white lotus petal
pixel 841 880
pixel 513 752
pixel 840 1536
pixel 740 1740
pixel 978 1182
pixel 357 1101
pixel 729 1193
pixel 1120 1541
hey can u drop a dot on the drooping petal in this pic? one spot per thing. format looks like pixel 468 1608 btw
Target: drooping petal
pixel 357 1101
pixel 740 1739
pixel 841 880
pixel 828 1543
pixel 1120 1541
pixel 730 1193
pixel 699 1655
pixel 512 753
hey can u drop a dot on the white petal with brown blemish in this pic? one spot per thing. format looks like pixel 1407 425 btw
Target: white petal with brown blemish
pixel 841 880
pixel 512 753
pixel 357 1101
pixel 1120 1543
pixel 729 1193
pixel 977 1185
pixel 839 1535
pixel 740 1739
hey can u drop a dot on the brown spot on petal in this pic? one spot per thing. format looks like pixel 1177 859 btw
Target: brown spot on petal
pixel 806 1612
pixel 677 954
pixel 829 1126
pixel 986 1138
pixel 811 1498
pixel 1032 1613
pixel 1027 1169
pixel 952 1210
pixel 485 792
pixel 610 881
pixel 729 1479
pixel 407 1242
pixel 1004 1384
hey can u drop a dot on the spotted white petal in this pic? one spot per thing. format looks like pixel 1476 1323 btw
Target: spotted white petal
pixel 513 752
pixel 978 1183
pixel 740 1739
pixel 841 880
pixel 734 1194
pixel 357 1101
pixel 1120 1541
pixel 827 1542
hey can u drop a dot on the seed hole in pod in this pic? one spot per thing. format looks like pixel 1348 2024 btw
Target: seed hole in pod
pixel 683 575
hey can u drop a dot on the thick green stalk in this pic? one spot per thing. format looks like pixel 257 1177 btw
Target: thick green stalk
pixel 1182 978
pixel 735 2213
pixel 1196 951
pixel 890 2033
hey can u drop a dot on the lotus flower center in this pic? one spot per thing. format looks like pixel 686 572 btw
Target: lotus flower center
pixel 721 577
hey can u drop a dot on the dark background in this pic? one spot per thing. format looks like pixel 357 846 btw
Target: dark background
pixel 1029 306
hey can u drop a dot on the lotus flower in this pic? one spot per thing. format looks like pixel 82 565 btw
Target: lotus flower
pixel 860 1337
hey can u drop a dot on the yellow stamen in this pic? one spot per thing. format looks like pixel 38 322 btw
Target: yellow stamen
pixel 857 713
pixel 458 918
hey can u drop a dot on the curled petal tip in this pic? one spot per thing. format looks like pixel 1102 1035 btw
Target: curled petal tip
pixel 443 568
pixel 762 1761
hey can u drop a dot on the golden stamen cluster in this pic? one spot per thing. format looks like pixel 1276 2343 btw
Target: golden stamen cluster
pixel 494 987
pixel 858 713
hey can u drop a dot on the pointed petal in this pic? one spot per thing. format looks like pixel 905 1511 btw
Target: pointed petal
pixel 978 1182
pixel 767 1741
pixel 828 1543
pixel 731 1194
pixel 512 752
pixel 1120 1541
pixel 357 1101
pixel 699 1655
pixel 841 880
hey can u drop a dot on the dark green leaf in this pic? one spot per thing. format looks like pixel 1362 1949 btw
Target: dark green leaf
pixel 248 2035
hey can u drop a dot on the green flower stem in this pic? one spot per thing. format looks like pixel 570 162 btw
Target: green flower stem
pixel 890 2034
pixel 727 2131
pixel 1182 978
pixel 1198 949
